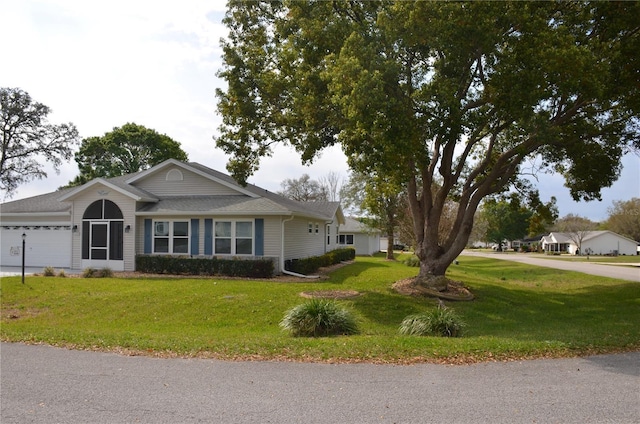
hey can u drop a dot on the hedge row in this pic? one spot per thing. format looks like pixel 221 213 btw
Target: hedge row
pixel 183 265
pixel 308 265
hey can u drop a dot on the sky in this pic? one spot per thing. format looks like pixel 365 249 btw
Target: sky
pixel 100 64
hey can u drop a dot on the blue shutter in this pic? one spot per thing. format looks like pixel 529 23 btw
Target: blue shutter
pixel 147 236
pixel 208 236
pixel 259 237
pixel 195 236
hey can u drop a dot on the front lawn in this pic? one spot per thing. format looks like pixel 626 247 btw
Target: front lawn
pixel 520 311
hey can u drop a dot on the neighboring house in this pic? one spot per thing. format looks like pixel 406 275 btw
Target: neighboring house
pixel 172 208
pixel 364 239
pixel 593 243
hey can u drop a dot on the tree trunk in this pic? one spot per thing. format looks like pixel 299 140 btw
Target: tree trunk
pixel 432 269
pixel 390 240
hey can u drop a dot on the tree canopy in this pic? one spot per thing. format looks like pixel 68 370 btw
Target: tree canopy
pixel 28 138
pixel 303 189
pixel 506 220
pixel 127 149
pixel 624 218
pixel 454 95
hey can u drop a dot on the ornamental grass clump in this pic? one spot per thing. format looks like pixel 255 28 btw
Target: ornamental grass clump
pixel 319 317
pixel 438 322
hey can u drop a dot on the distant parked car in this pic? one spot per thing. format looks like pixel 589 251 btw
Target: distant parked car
pixel 399 247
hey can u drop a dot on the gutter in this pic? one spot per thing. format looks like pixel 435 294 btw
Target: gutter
pixel 282 270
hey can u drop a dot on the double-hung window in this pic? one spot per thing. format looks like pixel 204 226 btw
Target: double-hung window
pixel 233 238
pixel 171 237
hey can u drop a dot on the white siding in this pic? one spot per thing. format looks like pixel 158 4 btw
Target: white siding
pixel 608 243
pixel 366 244
pixel 272 236
pixel 191 185
pixel 299 243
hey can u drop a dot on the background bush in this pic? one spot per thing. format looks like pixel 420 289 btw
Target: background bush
pixel 319 317
pixel 49 271
pixel 412 261
pixel 183 265
pixel 437 322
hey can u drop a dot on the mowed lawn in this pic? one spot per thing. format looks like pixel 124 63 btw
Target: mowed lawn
pixel 520 311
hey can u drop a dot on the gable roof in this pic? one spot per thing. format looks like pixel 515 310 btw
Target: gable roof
pixel 250 199
pixel 352 225
pixel 196 168
pixel 118 184
pixel 560 237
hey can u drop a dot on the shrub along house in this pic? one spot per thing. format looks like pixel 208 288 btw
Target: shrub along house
pixel 173 208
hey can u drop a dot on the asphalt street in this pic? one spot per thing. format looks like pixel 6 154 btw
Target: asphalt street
pixel 621 271
pixel 42 384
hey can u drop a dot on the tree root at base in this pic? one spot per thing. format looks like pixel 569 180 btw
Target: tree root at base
pixel 454 290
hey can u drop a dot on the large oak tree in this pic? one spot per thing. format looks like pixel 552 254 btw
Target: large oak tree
pixel 124 150
pixel 458 95
pixel 29 140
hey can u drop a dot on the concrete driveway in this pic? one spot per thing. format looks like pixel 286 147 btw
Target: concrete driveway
pixel 43 384
pixel 629 272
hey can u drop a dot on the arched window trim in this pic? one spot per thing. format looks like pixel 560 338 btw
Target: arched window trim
pixel 106 206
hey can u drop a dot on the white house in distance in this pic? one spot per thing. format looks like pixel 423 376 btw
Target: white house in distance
pixel 172 208
pixel 365 240
pixel 593 243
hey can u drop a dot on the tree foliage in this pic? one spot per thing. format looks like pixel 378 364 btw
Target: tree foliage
pixel 127 149
pixel 29 140
pixel 461 94
pixel 506 220
pixel 576 228
pixel 303 189
pixel 624 218
pixel 379 199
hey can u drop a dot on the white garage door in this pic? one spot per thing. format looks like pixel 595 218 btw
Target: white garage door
pixel 44 246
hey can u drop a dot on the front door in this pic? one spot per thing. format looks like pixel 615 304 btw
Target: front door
pixel 99 241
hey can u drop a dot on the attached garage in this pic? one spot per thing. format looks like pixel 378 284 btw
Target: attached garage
pixel 45 245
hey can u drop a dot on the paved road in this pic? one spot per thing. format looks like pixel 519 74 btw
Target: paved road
pixel 43 384
pixel 622 271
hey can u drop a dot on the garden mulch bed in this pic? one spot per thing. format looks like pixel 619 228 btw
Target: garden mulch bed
pixel 330 294
pixel 455 290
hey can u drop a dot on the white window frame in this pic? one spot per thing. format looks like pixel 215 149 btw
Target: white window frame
pixel 234 237
pixel 169 235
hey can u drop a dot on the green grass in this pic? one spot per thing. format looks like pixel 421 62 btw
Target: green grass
pixel 520 311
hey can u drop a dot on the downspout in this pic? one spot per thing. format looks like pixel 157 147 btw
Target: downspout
pixel 282 270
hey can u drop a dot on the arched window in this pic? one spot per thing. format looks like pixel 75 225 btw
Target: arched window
pixel 174 175
pixel 102 209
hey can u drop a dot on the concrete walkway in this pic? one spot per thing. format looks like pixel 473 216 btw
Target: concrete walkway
pixel 630 272
pixel 10 271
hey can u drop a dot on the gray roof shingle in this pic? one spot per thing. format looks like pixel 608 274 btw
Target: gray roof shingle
pixel 266 202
